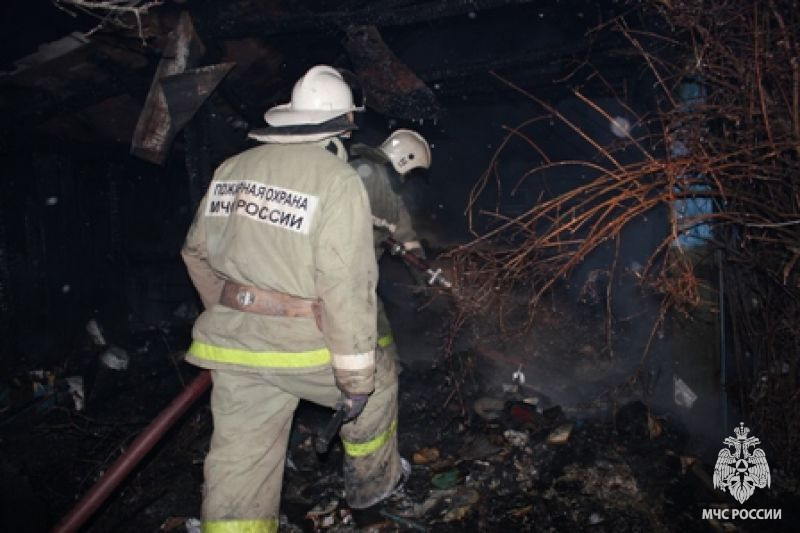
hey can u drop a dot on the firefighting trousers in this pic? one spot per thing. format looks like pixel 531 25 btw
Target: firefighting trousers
pixel 252 413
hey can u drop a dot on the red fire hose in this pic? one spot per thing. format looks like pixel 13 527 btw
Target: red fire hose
pixel 128 460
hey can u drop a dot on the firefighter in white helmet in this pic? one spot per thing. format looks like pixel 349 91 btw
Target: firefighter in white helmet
pixel 383 170
pixel 406 150
pixel 281 254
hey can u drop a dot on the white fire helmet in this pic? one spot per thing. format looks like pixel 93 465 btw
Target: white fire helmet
pixel 320 95
pixel 407 150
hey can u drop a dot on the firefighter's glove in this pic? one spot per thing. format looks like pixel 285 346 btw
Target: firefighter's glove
pixel 354 404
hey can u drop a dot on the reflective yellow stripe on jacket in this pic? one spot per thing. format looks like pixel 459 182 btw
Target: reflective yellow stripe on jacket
pixel 268 525
pixel 236 356
pixel 360 449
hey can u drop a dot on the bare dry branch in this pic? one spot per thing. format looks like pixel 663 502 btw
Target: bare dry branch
pixel 115 13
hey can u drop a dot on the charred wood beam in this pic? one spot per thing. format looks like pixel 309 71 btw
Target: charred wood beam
pixel 392 88
pixel 156 128
pixel 186 92
pixel 234 21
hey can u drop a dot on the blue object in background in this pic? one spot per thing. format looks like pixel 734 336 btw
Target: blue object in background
pixel 688 210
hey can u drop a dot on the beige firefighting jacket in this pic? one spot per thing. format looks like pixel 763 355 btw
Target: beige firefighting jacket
pixel 390 216
pixel 292 218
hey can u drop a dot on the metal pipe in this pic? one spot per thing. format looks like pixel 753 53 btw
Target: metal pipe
pixel 104 486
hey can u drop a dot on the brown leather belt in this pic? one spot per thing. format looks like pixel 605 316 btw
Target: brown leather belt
pixel 268 302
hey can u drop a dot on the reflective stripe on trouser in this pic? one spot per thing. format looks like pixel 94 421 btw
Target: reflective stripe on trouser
pixel 241 526
pixel 253 413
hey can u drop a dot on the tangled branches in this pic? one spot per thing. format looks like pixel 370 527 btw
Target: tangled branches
pixel 724 129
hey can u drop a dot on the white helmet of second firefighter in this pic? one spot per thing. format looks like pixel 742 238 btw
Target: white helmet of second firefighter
pixel 407 150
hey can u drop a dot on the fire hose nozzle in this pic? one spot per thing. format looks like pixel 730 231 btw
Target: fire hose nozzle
pixel 436 276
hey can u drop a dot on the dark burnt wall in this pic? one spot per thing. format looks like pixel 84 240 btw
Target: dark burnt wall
pixel 83 237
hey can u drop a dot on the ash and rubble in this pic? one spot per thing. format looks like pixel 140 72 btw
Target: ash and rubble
pixel 493 447
pixel 510 461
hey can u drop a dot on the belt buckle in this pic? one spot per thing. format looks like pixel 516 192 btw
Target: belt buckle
pixel 245 298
